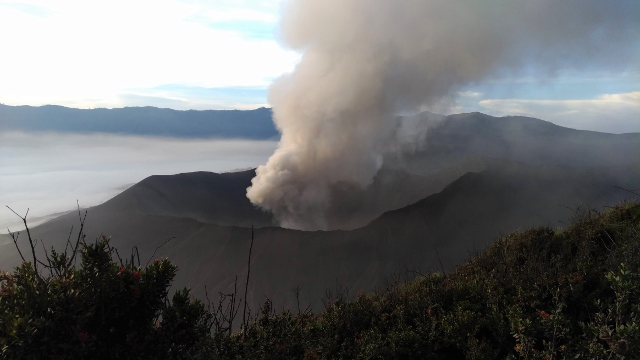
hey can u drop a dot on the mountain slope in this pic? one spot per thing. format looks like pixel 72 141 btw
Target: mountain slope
pixel 517 138
pixel 204 196
pixel 466 215
pixel 221 198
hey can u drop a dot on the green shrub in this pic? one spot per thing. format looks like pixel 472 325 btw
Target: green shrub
pixel 101 309
pixel 535 294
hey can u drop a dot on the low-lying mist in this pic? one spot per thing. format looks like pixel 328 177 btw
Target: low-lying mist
pixel 48 171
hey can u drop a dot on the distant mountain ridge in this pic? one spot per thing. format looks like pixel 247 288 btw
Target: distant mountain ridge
pixel 518 138
pixel 151 121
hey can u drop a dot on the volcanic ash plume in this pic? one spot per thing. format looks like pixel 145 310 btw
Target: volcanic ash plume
pixel 365 61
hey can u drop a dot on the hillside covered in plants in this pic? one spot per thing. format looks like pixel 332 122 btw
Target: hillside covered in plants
pixel 535 294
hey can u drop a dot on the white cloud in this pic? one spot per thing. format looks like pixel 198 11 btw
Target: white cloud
pixel 89 52
pixel 471 94
pixel 613 113
pixel 181 103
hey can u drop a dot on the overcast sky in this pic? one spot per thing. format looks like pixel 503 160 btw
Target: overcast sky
pixel 199 54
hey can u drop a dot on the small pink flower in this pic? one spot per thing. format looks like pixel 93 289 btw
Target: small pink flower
pixel 136 274
pixel 544 314
pixel 157 260
pixel 122 271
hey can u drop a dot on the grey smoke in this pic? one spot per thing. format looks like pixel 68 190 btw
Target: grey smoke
pixel 411 132
pixel 366 61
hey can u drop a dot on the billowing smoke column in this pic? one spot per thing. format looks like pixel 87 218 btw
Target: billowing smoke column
pixel 365 61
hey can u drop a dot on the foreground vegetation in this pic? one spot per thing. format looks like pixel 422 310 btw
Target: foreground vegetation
pixel 536 294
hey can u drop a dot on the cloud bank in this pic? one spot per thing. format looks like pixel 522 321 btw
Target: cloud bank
pixel 364 61
pixel 48 171
pixel 612 113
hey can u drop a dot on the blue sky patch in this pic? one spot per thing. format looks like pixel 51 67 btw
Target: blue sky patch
pixel 30 9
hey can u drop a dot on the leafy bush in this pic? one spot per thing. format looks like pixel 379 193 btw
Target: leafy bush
pixel 535 294
pixel 100 309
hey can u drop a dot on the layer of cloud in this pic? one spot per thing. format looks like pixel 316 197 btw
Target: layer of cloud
pixel 48 172
pixel 180 102
pixel 612 113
